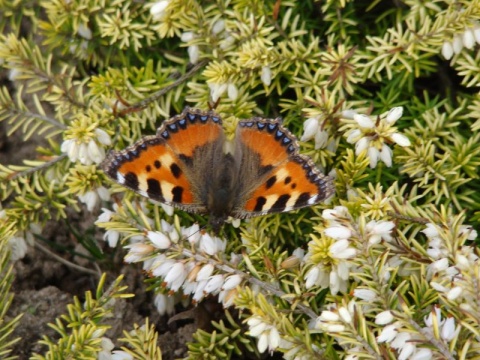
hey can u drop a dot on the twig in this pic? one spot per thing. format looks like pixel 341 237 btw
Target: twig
pixel 143 103
pixel 66 262
pixel 37 168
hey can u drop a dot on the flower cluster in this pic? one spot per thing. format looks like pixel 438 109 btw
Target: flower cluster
pixel 467 39
pixel 453 269
pixel 405 341
pixel 88 149
pixel 267 334
pixel 373 136
pixel 191 276
pixel 92 198
pixel 313 129
pixel 336 319
pixel 329 253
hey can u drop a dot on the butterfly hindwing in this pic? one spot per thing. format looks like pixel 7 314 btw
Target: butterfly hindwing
pixel 164 167
pixel 285 180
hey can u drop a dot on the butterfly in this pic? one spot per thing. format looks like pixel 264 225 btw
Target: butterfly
pixel 185 165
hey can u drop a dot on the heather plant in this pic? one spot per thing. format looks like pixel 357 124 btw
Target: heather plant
pixel 383 96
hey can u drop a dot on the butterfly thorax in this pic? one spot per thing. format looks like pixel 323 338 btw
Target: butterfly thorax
pixel 220 193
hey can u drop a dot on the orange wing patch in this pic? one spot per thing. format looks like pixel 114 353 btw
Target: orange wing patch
pixel 288 187
pixel 153 171
pixel 270 150
pixel 186 141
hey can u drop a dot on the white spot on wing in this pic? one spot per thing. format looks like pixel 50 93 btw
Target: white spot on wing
pixel 120 178
pixel 312 200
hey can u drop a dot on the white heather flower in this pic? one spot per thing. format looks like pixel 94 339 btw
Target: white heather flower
pixel 422 354
pixel 14 74
pixel 18 248
pixel 218 27
pixel 400 139
pixel 187 36
pixel 268 336
pixel 105 216
pixel 467 229
pixel 345 315
pixel 95 153
pixel 373 155
pixel 199 293
pixel 103 137
pixel 211 245
pixel 158 9
pixel 205 272
pixel 227 297
pixel 457 44
pixel 364 121
pixel 321 140
pixel 336 213
pixel 312 277
pixel 167 208
pixel 266 75
pixel 159 240
pixel 310 128
pixel 388 333
pixel 384 318
pixel 217 90
pixel 338 232
pixel 394 114
pixel 365 294
pixel 111 237
pixel 341 250
pixel 84 31
pixel 232 91
pixel 231 282
pixel 386 155
pixel 448 329
pixel 214 284
pixel 137 252
pixel 431 231
pixel 193 53
pixel 192 234
pixel 176 276
pixel 468 38
pixel 454 293
pixel 92 198
pixel 476 33
pixel 376 231
pixel 107 347
pixel 165 304
pixel 121 355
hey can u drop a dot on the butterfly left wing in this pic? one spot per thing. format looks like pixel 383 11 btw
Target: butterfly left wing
pixel 170 167
pixel 274 177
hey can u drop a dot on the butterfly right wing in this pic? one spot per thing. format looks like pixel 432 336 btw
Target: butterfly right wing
pixel 166 167
pixel 274 176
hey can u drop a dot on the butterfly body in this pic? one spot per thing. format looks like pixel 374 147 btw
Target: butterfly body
pixel 185 165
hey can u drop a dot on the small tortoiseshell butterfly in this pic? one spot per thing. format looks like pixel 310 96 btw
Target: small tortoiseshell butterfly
pixel 185 165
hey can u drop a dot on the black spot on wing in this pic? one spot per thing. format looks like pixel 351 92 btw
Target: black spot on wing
pixel 176 171
pixel 270 182
pixel 157 164
pixel 260 202
pixel 287 180
pixel 131 181
pixel 281 202
pixel 148 168
pixel 177 193
pixel 302 199
pixel 154 189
